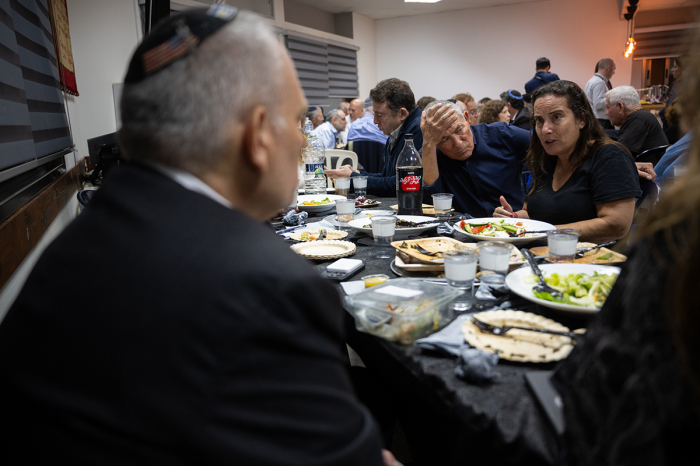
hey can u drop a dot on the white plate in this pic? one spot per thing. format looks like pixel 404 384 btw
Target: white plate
pixel 328 190
pixel 515 283
pixel 534 225
pixel 324 249
pixel 318 197
pixel 401 233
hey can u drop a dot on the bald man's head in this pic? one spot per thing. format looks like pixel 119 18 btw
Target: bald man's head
pixel 356 109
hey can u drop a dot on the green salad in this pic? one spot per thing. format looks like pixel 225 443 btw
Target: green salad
pixel 578 289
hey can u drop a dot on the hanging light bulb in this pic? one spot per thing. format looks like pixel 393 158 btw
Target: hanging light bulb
pixel 629 16
pixel 630 46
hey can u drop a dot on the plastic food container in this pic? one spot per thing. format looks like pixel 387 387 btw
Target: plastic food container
pixel 402 310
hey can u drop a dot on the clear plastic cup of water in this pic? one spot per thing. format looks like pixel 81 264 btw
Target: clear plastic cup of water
pixel 494 256
pixel 345 209
pixel 360 185
pixel 383 229
pixel 442 204
pixel 342 185
pixel 460 271
pixel 562 245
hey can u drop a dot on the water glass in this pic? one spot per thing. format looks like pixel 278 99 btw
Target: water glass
pixel 383 229
pixel 494 256
pixel 460 270
pixel 442 204
pixel 360 184
pixel 342 185
pixel 562 245
pixel 345 208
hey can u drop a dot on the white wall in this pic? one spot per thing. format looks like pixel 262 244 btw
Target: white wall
pixel 487 51
pixel 365 35
pixel 103 37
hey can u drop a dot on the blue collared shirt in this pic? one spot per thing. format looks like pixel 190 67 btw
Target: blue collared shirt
pixel 326 133
pixel 493 170
pixel 364 129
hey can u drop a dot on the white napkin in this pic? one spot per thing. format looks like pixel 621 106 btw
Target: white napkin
pixel 353 287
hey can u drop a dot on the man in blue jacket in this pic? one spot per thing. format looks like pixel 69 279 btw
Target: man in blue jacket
pixel 477 163
pixel 395 113
pixel 542 75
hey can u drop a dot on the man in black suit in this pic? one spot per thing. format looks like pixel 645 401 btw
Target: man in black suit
pixel 520 115
pixel 199 338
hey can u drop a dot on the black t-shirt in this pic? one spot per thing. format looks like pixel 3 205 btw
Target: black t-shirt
pixel 641 131
pixel 608 175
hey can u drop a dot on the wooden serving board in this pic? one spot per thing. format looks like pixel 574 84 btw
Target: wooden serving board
pixel 440 244
pixel 427 209
pixel 589 257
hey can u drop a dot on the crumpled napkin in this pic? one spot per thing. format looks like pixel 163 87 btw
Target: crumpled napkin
pixel 449 340
pixel 293 218
pixel 476 366
pixel 445 229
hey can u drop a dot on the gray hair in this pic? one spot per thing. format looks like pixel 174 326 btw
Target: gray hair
pixel 625 94
pixel 333 114
pixel 181 116
pixel 444 103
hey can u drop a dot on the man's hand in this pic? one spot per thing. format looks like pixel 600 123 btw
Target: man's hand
pixel 505 210
pixel 646 171
pixel 340 172
pixel 435 121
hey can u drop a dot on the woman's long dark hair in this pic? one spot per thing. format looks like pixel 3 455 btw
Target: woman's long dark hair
pixel 592 136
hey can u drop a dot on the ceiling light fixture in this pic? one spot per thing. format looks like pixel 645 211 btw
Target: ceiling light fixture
pixel 629 16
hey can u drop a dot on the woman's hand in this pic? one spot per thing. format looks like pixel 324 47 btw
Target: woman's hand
pixel 505 210
pixel 646 171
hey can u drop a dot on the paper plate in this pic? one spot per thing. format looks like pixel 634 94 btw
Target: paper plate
pixel 325 249
pixel 534 225
pixel 519 345
pixel 317 197
pixel 313 234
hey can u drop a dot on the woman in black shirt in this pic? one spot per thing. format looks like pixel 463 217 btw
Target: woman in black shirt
pixel 581 179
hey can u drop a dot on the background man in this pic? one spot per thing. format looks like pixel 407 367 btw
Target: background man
pixel 597 86
pixel 395 113
pixel 356 109
pixel 477 164
pixel 343 135
pixel 207 340
pixel 315 114
pixel 328 131
pixel 542 75
pixel 640 130
pixel 472 107
pixel 519 114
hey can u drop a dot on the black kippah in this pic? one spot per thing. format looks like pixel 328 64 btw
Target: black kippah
pixel 175 37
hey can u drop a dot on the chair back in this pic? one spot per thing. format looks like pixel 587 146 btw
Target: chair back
pixel 370 155
pixel 652 155
pixel 651 193
pixel 337 157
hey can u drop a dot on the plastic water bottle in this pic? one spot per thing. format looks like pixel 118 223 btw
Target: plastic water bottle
pixel 314 154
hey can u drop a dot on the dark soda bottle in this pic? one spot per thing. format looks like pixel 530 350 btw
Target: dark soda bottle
pixel 409 179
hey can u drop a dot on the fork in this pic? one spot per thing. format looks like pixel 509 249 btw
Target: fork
pixel 581 252
pixel 501 329
pixel 542 286
pixel 424 251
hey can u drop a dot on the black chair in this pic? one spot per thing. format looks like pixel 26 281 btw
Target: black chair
pixel 370 155
pixel 652 155
pixel 651 192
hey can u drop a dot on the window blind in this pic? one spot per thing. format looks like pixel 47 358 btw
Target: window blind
pixel 33 123
pixel 342 72
pixel 660 44
pixel 325 69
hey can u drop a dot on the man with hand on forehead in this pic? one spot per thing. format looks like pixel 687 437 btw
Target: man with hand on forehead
pixel 207 341
pixel 476 163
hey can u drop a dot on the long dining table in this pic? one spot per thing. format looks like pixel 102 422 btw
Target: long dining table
pixel 447 420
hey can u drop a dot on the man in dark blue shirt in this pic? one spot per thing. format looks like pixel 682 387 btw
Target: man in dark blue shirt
pixel 396 114
pixel 542 75
pixel 477 163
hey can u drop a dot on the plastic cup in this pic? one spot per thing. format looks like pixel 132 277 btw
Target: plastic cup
pixel 562 245
pixel 374 280
pixel 360 185
pixel 460 270
pixel 494 256
pixel 345 209
pixel 342 185
pixel 442 204
pixel 383 229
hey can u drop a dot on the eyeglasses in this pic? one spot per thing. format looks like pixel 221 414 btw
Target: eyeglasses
pixel 473 113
